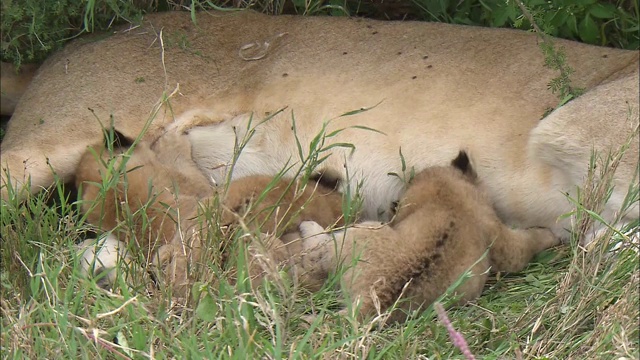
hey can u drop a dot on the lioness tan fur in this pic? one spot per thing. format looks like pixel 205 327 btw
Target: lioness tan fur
pixel 432 89
pixel 443 227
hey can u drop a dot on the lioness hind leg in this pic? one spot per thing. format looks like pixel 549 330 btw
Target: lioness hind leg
pixel 514 248
pixel 567 139
pixel 14 84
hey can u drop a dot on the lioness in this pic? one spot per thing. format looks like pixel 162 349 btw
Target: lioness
pixel 444 226
pixel 430 89
pixel 13 84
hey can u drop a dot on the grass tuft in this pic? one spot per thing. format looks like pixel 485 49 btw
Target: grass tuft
pixel 571 302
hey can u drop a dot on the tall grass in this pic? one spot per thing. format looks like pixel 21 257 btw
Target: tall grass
pixel 570 303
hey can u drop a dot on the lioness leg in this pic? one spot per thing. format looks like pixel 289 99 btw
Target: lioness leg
pixel 567 139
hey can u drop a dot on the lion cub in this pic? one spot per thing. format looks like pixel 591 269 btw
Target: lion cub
pixel 444 225
pixel 153 192
pixel 271 209
pixel 164 195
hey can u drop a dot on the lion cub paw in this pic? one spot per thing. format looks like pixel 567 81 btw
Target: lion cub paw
pixel 317 256
pixel 545 237
pixel 172 267
pixel 312 233
pixel 100 259
pixel 314 242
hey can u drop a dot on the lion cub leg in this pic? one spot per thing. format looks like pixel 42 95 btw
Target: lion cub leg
pixel 362 251
pixel 317 254
pixel 512 249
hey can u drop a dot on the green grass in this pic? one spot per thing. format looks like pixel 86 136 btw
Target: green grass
pixel 566 304
pixel 569 303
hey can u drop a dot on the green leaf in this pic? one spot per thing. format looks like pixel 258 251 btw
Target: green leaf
pixel 340 145
pixel 192 9
pixel 500 16
pixel 572 24
pixel 207 308
pixel 362 127
pixel 565 100
pixel 588 30
pixel 634 29
pixel 602 11
pixel 534 3
pixel 559 18
pixel 122 341
pixel 361 110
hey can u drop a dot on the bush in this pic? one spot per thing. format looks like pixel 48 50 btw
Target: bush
pixel 608 23
pixel 31 29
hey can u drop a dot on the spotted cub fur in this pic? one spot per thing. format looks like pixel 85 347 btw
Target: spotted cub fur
pixel 444 225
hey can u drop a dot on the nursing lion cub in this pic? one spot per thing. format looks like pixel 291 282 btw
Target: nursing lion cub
pixel 429 89
pixel 141 199
pixel 444 226
pixel 265 210
pixel 136 193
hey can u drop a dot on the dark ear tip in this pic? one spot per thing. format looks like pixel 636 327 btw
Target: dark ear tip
pixel 116 140
pixel 461 162
pixel 327 179
pixel 394 206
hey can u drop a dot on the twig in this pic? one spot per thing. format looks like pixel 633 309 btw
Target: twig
pixel 115 311
pixel 547 41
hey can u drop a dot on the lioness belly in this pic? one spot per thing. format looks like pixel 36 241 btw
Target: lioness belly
pixel 432 89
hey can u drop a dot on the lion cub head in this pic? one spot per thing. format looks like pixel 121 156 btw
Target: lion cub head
pixel 446 183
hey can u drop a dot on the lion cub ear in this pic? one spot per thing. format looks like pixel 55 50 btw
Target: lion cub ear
pixel 462 163
pixel 114 139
